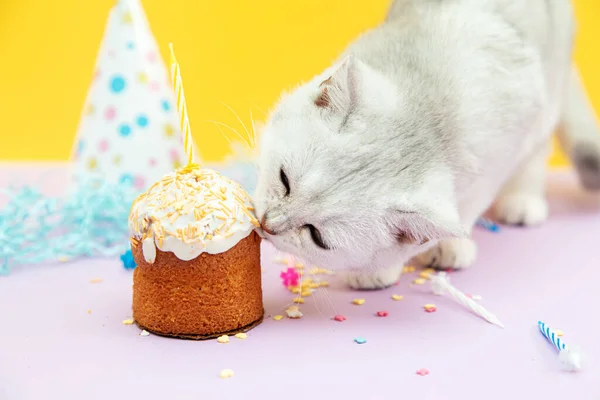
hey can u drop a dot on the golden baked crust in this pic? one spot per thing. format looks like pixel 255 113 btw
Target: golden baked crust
pixel 205 297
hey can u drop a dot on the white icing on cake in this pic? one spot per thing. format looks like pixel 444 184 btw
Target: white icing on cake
pixel 189 212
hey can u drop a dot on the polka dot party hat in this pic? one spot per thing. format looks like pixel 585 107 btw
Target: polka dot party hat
pixel 129 132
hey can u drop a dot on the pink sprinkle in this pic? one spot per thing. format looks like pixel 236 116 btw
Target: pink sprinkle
pixel 151 56
pixel 290 277
pixel 423 372
pixel 382 313
pixel 339 318
pixel 152 162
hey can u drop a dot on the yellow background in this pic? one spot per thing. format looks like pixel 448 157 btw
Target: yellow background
pixel 239 52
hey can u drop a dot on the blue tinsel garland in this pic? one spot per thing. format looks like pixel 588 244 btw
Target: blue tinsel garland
pixel 90 221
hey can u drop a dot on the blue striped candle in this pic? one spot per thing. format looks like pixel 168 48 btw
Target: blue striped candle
pixel 551 336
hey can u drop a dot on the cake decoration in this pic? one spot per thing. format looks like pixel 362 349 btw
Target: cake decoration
pixel 189 212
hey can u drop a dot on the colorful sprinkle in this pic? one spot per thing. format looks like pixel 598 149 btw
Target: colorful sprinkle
pixel 360 340
pixel 558 332
pixel 294 312
pixel 223 339
pixel 299 300
pixel 290 277
pixel 128 321
pixel 144 333
pixel 382 313
pixel 226 373
pixel 241 335
pixel 430 308
pixel 408 269
pixel 166 105
pixel 358 302
pixel 423 372
pixel 397 297
pixel 127 260
pixel 420 281
pixel 278 317
pixel 339 318
pixel 96 280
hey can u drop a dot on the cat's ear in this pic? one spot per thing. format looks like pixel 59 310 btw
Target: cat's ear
pixel 339 92
pixel 420 227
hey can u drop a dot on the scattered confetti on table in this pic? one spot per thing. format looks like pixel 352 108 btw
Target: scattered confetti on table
pixel 424 275
pixel 430 308
pixel 358 302
pixel 360 340
pixel 289 277
pixel 420 281
pixel 294 312
pixel 397 297
pixel 278 317
pixel 241 335
pixel 144 333
pixel 339 318
pixel 223 339
pixel 127 260
pixel 128 321
pixel 423 372
pixel 382 313
pixel 226 373
pixel 488 225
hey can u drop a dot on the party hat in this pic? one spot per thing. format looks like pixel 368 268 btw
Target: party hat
pixel 129 131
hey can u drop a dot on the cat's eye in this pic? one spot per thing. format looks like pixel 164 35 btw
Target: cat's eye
pixel 315 235
pixel 284 181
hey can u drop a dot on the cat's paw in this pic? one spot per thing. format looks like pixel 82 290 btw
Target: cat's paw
pixel 372 279
pixel 450 253
pixel 522 209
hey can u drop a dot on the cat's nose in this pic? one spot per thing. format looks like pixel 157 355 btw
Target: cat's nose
pixel 263 225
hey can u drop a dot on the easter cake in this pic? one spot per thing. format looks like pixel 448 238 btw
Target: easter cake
pixel 194 240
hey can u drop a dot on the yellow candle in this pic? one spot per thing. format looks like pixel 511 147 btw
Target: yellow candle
pixel 184 122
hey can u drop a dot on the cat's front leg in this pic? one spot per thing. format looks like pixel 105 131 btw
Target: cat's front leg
pixel 522 200
pixel 372 279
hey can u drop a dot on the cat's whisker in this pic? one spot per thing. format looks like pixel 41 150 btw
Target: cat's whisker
pixel 241 122
pixel 253 129
pixel 222 133
pixel 233 130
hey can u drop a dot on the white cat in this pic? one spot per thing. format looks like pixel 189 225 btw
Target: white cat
pixel 423 123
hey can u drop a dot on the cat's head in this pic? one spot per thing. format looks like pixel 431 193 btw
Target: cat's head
pixel 345 179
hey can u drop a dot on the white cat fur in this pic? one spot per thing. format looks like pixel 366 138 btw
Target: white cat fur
pixel 418 128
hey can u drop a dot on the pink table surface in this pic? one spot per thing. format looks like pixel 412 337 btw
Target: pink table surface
pixel 51 348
